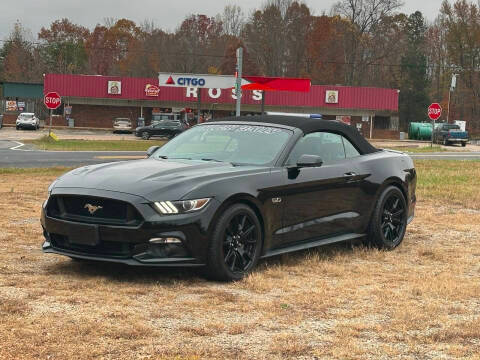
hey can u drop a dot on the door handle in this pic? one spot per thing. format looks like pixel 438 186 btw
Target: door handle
pixel 350 174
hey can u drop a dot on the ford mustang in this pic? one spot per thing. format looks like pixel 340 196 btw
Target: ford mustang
pixel 224 194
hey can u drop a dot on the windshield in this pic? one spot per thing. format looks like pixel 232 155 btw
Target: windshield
pixel 238 144
pixel 26 116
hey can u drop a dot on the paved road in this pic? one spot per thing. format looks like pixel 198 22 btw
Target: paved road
pixel 458 155
pixel 12 154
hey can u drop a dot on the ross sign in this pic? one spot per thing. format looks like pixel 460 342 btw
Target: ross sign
pixel 52 100
pixel 152 90
pixel 215 93
pixel 115 87
pixel 331 97
pixel 21 105
pixel 434 111
pixel 11 105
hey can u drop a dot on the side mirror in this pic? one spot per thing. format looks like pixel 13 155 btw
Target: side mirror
pixel 309 161
pixel 151 150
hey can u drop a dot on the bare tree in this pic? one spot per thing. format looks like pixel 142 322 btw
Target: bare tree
pixel 232 20
pixel 365 17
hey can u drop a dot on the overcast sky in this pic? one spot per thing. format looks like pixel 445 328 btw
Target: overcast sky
pixel 166 14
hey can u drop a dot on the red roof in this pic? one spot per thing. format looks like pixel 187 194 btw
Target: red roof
pixel 93 86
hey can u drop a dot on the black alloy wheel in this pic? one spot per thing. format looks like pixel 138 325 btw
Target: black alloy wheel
pixel 389 220
pixel 235 245
pixel 145 135
pixel 241 238
pixel 392 218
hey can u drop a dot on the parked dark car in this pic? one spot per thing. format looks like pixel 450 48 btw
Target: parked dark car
pixel 163 128
pixel 224 194
pixel 447 134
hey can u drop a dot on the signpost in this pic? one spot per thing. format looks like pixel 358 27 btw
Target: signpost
pixel 52 101
pixel 434 113
pixel 238 83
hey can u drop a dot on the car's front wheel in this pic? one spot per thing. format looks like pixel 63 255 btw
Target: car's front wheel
pixel 235 244
pixel 145 135
pixel 389 219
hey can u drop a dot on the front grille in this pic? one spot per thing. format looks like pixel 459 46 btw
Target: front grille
pixel 93 210
pixel 105 248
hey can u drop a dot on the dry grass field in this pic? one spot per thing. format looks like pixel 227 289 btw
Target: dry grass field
pixel 421 301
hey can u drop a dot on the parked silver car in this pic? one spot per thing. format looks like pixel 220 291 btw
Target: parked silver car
pixel 122 125
pixel 27 120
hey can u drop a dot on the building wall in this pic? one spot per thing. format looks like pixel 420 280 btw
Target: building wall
pixel 101 116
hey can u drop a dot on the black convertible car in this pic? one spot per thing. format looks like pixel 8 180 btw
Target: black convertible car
pixel 224 194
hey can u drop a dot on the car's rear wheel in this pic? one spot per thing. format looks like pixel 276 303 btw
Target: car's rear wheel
pixel 445 141
pixel 389 219
pixel 145 135
pixel 235 245
pixel 464 144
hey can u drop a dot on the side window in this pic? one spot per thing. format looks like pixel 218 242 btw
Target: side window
pixel 328 146
pixel 350 150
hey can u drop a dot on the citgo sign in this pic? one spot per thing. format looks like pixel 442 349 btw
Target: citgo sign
pixel 185 81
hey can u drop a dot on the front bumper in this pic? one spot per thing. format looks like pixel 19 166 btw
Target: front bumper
pixel 121 128
pixel 130 245
pixel 456 140
pixel 26 125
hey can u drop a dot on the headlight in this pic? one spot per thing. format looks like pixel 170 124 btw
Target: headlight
pixel 180 207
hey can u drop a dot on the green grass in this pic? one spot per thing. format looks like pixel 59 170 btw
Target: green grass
pixel 449 181
pixel 46 143
pixel 423 149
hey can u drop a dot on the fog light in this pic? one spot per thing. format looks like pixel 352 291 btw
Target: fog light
pixel 165 240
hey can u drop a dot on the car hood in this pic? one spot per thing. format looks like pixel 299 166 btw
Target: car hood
pixel 152 179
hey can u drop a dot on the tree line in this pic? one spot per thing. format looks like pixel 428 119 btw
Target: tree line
pixel 358 43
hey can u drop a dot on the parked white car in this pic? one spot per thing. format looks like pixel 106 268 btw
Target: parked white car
pixel 27 120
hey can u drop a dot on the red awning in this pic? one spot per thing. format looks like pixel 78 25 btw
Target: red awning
pixel 276 84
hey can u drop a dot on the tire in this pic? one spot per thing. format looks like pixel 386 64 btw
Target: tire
pixel 145 135
pixel 445 141
pixel 389 220
pixel 235 245
pixel 464 144
pixel 17 127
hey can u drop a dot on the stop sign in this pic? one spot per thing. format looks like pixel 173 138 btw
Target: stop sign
pixel 52 100
pixel 434 111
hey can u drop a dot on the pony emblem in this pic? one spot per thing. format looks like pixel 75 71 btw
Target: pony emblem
pixel 92 208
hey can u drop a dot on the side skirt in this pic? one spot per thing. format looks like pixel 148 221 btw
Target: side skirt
pixel 312 244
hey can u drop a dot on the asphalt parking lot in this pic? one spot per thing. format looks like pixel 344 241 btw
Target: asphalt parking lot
pixel 10 133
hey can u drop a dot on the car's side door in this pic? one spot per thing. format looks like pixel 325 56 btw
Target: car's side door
pixel 159 128
pixel 320 201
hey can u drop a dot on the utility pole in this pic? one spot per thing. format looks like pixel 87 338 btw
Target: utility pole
pixel 238 83
pixel 452 87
